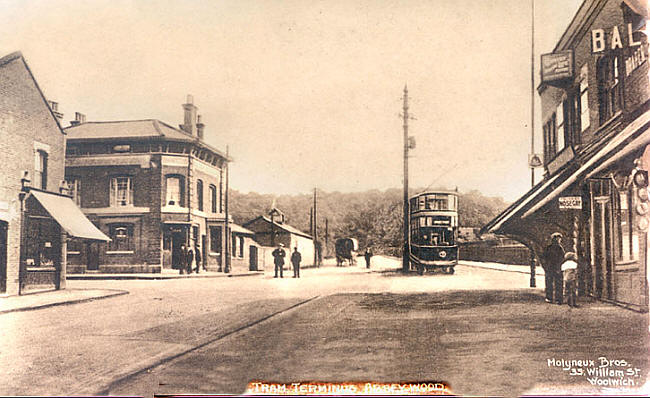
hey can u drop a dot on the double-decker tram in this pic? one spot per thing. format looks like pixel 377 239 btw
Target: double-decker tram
pixel 433 231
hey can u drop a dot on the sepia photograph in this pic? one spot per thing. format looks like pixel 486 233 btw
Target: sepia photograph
pixel 324 197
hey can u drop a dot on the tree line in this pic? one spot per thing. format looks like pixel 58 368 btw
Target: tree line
pixel 372 217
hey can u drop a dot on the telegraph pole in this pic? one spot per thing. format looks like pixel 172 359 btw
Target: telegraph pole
pixel 227 234
pixel 315 232
pixel 532 123
pixel 405 248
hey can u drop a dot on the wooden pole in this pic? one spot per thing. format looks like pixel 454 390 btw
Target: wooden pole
pixel 532 124
pixel 227 234
pixel 405 248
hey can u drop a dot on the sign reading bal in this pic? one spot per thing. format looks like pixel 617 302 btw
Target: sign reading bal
pixel 611 40
pixel 557 67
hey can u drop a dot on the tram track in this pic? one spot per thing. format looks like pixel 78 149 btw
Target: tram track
pixel 175 354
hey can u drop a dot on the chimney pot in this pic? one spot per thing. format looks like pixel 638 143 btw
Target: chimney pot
pixel 199 127
pixel 189 119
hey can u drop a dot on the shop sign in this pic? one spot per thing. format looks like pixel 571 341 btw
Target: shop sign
pixel 570 203
pixel 557 66
pixel 560 160
pixel 534 160
pixel 611 40
pixel 635 60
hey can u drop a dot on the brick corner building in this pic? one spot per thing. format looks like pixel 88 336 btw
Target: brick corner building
pixel 151 188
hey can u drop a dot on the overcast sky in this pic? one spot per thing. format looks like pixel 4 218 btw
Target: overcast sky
pixel 307 93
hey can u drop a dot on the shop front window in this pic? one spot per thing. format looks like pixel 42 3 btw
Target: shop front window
pixel 627 235
pixel 42 248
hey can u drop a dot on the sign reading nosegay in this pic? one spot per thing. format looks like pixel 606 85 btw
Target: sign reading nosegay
pixel 570 202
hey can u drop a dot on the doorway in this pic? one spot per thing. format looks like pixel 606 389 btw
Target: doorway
pixel 178 239
pixel 3 257
pixel 601 238
pixel 252 261
pixel 92 256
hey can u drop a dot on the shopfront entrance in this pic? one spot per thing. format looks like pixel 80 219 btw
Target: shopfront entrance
pixel 601 233
pixel 173 237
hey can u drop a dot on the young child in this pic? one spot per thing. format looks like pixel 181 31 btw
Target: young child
pixel 569 271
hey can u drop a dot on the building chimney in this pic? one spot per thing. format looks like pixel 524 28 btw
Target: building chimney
pixel 78 119
pixel 55 110
pixel 189 121
pixel 199 127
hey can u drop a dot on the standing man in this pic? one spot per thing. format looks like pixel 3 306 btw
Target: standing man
pixel 189 254
pixel 182 257
pixel 197 258
pixel 278 259
pixel 295 261
pixel 368 255
pixel 552 263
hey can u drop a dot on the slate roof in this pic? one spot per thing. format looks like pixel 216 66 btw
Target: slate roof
pixel 285 227
pixel 132 129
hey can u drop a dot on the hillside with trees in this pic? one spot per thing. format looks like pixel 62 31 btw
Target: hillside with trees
pixel 372 217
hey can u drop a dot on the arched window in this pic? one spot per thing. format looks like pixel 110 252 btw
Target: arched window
pixel 199 194
pixel 213 198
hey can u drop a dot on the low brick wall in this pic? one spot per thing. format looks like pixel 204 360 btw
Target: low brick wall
pixel 118 269
pixel 489 252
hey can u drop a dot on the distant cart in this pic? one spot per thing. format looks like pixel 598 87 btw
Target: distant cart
pixel 346 249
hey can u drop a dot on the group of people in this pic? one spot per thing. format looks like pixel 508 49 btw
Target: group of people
pixel 184 258
pixel 560 269
pixel 279 254
pixel 278 260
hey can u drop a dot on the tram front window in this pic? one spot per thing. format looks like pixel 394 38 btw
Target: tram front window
pixel 436 236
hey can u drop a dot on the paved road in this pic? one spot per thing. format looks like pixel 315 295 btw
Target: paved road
pixel 103 346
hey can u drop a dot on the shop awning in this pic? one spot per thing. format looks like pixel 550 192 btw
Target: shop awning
pixel 631 138
pixel 69 216
pixel 507 214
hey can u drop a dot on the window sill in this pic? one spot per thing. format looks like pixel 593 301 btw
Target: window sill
pixel 120 252
pixel 40 269
pixel 629 266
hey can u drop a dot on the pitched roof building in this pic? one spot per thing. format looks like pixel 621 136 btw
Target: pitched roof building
pixel 595 96
pixel 152 188
pixel 37 217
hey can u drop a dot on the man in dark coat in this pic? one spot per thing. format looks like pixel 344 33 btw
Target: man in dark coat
pixel 189 255
pixel 553 258
pixel 368 256
pixel 182 259
pixel 197 259
pixel 278 259
pixel 295 261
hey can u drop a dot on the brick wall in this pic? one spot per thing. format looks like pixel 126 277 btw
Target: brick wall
pixel 25 118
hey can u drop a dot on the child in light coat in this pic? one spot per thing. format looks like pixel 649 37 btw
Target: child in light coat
pixel 569 270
